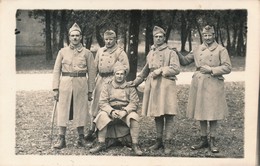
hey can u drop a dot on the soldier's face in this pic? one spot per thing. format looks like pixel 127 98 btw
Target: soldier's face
pixel 75 37
pixel 109 41
pixel 158 39
pixel 120 76
pixel 208 38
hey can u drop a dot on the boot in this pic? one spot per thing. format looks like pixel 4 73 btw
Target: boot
pixel 81 141
pixel 61 142
pixel 100 147
pixel 137 150
pixel 157 145
pixel 167 147
pixel 90 136
pixel 202 144
pixel 213 147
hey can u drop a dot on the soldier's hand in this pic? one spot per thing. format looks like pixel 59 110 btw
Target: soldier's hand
pixel 56 94
pixel 156 73
pixel 205 69
pixel 130 84
pixel 122 114
pixel 90 96
pixel 115 114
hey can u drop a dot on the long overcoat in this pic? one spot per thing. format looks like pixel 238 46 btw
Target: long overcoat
pixel 115 96
pixel 70 59
pixel 105 60
pixel 207 100
pixel 160 94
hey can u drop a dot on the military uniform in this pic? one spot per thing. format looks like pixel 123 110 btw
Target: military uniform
pixel 105 60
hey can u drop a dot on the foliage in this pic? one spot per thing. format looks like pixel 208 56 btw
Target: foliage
pixel 33 128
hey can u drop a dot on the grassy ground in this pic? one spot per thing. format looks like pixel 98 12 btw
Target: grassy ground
pixel 38 64
pixel 33 128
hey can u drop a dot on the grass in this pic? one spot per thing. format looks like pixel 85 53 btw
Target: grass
pixel 33 108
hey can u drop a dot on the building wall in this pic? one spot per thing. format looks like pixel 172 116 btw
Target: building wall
pixel 31 39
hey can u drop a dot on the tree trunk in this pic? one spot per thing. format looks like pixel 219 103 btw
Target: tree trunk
pixel 234 41
pixel 228 37
pixel 54 32
pixel 100 40
pixel 184 32
pixel 148 32
pixel 190 43
pixel 221 38
pixel 48 34
pixel 62 28
pixel 169 29
pixel 240 40
pixel 135 18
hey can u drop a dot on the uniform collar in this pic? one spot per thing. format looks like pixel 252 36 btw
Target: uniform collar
pixel 79 48
pixel 211 48
pixel 119 86
pixel 111 50
pixel 163 46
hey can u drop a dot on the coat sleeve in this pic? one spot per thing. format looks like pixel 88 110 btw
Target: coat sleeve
pixel 124 60
pixel 133 101
pixel 57 71
pixel 186 60
pixel 104 100
pixel 96 61
pixel 174 65
pixel 225 64
pixel 91 71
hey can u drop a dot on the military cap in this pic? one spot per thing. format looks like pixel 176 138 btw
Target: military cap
pixel 119 66
pixel 75 27
pixel 157 29
pixel 109 33
pixel 208 29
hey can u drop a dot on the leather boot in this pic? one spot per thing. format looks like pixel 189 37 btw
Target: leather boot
pixel 167 147
pixel 61 142
pixel 137 150
pixel 100 147
pixel 202 144
pixel 90 136
pixel 157 145
pixel 213 147
pixel 81 141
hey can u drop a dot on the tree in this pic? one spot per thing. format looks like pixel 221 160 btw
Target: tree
pixel 48 35
pixel 135 17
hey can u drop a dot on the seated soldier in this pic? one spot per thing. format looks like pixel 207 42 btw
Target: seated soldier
pixel 117 117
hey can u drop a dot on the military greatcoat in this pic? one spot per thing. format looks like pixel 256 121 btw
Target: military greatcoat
pixel 160 94
pixel 105 60
pixel 79 60
pixel 207 100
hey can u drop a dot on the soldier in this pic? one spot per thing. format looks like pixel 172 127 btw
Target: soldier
pixel 105 60
pixel 118 106
pixel 73 83
pixel 207 101
pixel 160 95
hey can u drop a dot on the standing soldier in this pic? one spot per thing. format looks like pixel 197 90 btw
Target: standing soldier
pixel 105 60
pixel 73 83
pixel 160 96
pixel 207 101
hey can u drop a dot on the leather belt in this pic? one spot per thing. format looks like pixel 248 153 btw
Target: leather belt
pixel 73 74
pixel 106 74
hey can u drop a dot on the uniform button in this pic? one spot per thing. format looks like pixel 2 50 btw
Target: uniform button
pixel 210 60
pixel 102 54
pixel 200 59
pixel 160 55
pixel 101 59
pixel 200 54
pixel 108 61
pixel 210 54
pixel 110 57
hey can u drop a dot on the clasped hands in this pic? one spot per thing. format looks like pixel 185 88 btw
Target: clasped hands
pixel 205 69
pixel 118 114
